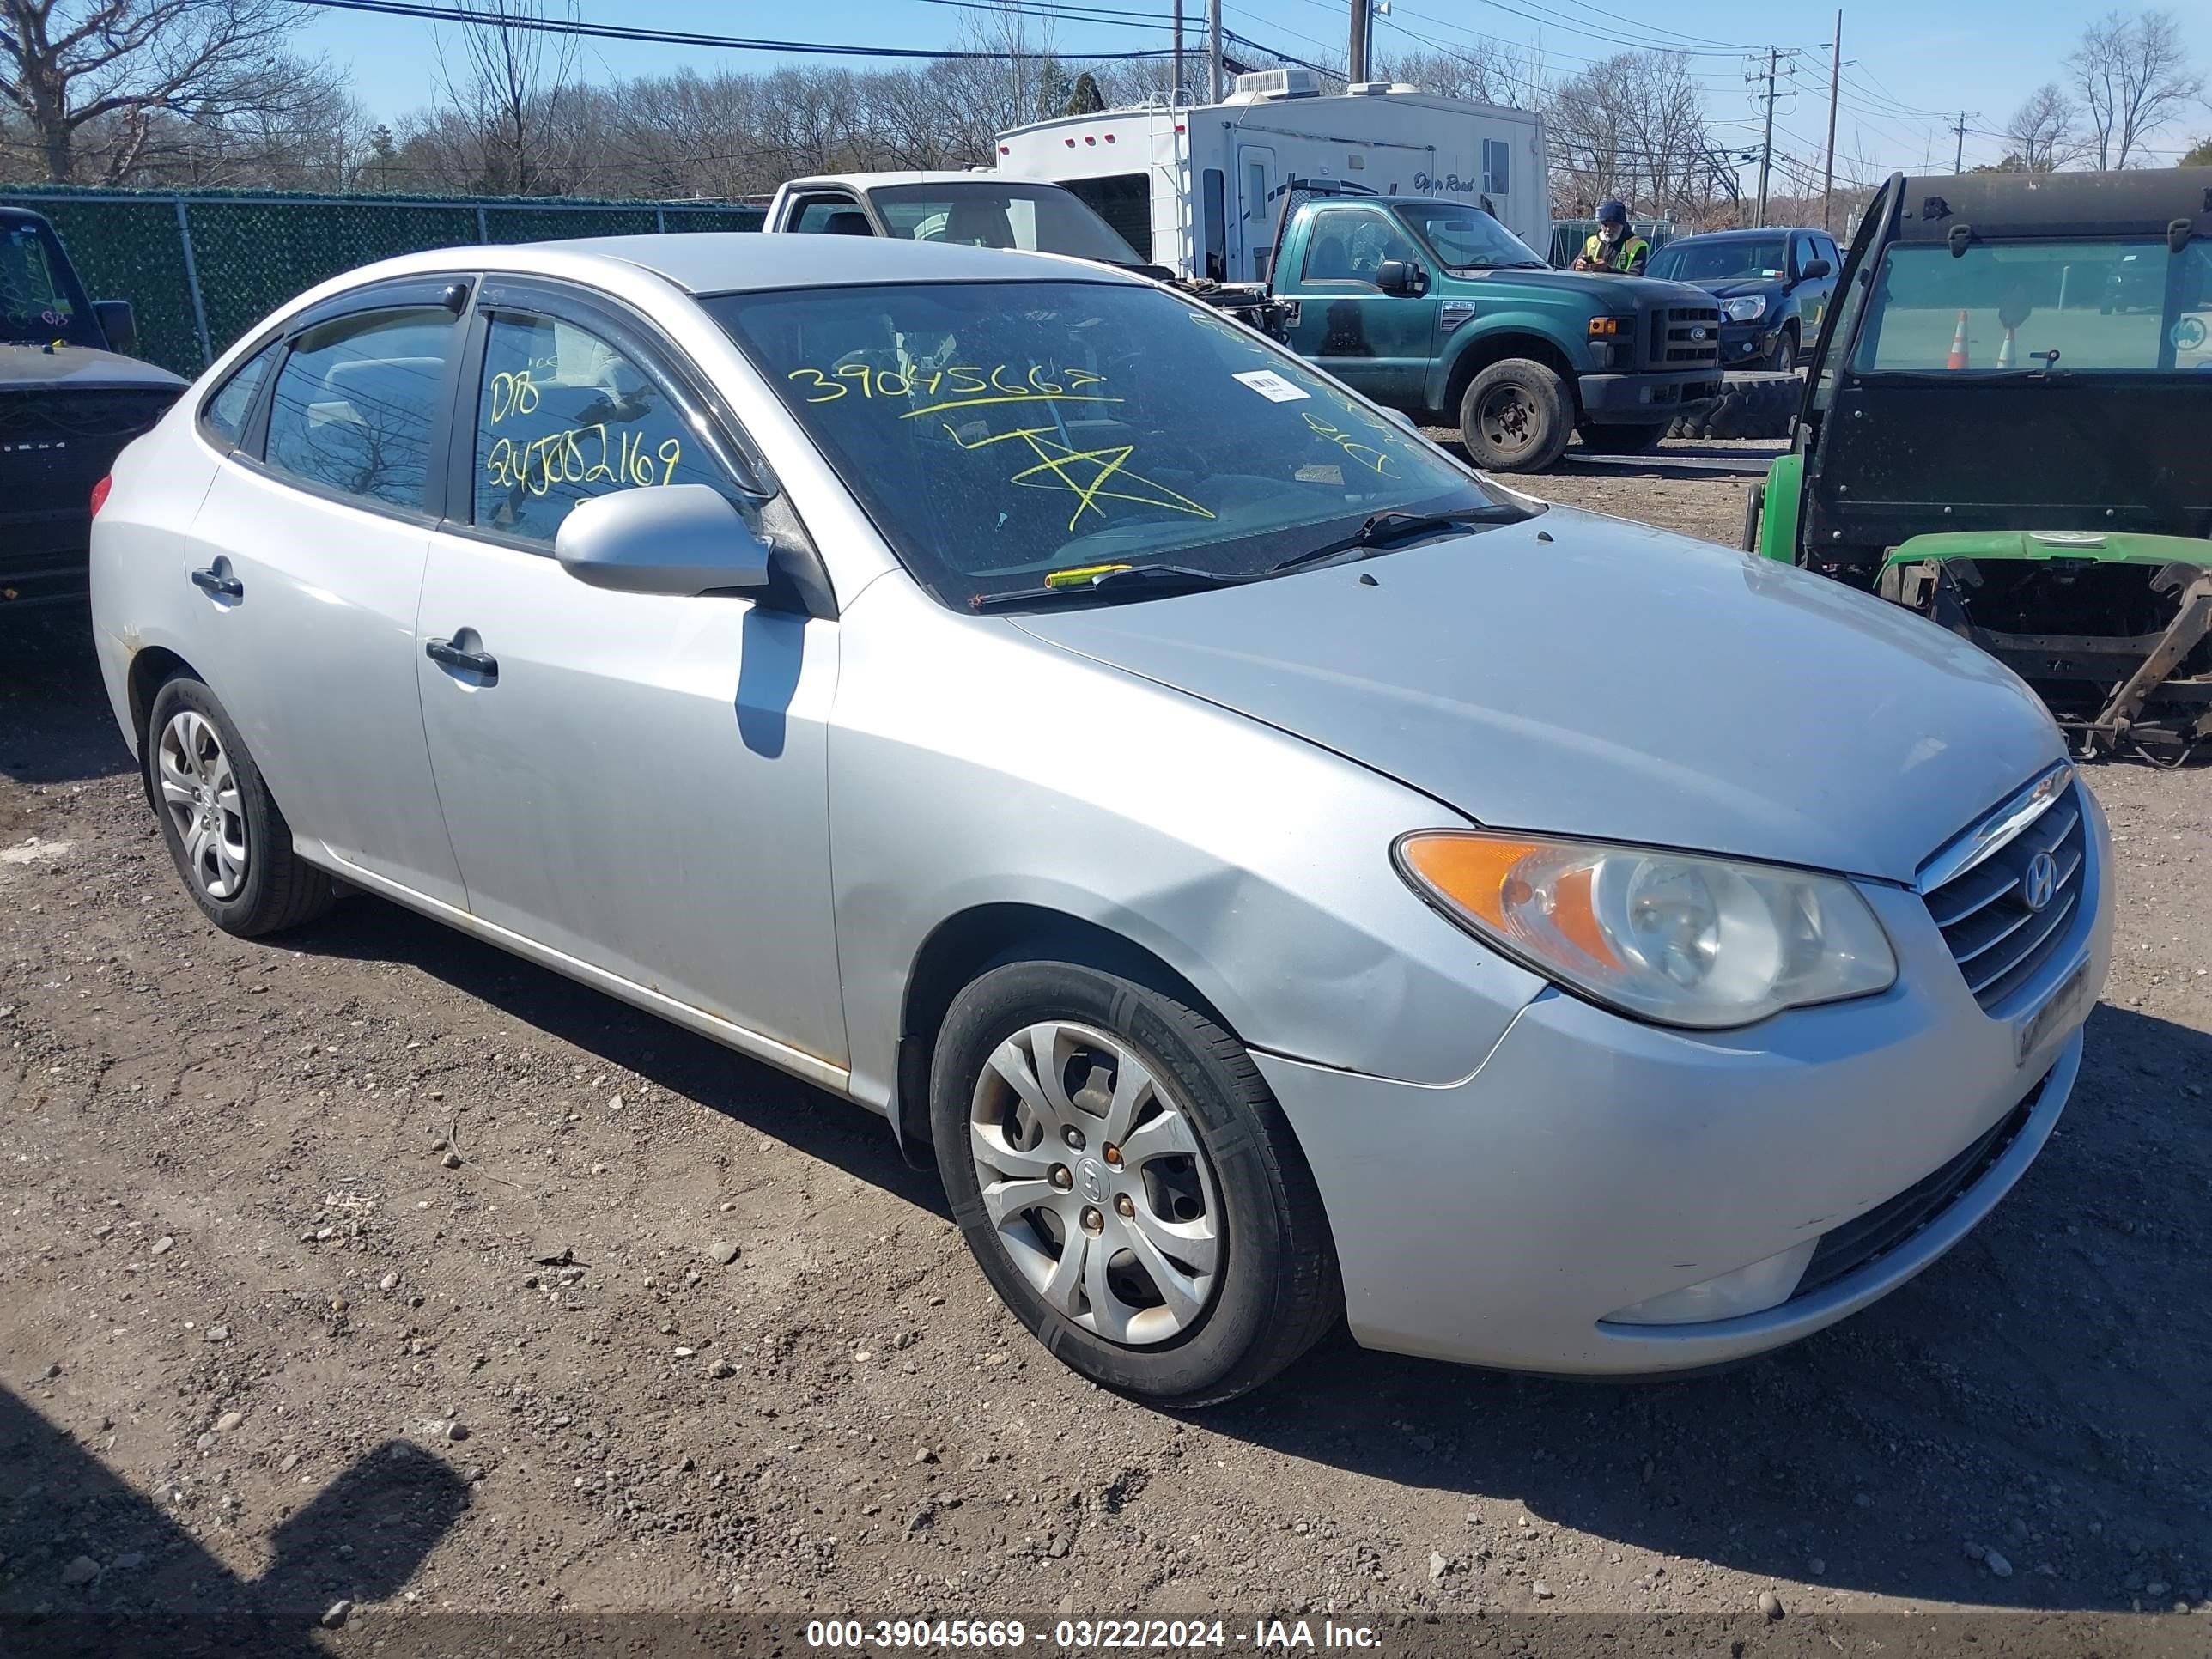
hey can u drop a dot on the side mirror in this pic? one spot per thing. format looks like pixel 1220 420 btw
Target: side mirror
pixel 119 324
pixel 677 539
pixel 1815 268
pixel 1397 276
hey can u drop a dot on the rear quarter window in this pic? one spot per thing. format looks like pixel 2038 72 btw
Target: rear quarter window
pixel 224 415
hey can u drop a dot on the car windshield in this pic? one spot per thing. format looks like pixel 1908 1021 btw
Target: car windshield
pixel 1033 218
pixel 2094 306
pixel 1005 434
pixel 1467 238
pixel 1734 260
pixel 39 301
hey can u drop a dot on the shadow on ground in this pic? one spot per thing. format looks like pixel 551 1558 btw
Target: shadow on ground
pixel 387 1511
pixel 55 727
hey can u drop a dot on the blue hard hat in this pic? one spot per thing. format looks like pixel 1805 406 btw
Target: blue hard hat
pixel 1613 213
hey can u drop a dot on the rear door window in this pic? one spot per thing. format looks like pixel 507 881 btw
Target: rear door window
pixel 225 414
pixel 2083 306
pixel 356 400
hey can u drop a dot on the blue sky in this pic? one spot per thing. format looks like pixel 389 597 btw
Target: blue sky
pixel 1903 58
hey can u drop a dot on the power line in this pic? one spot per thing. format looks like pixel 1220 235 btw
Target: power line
pixel 461 15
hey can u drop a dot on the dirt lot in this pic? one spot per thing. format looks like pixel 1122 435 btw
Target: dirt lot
pixel 374 1265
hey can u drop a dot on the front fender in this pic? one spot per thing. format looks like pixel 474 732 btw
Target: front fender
pixel 973 764
pixel 1487 329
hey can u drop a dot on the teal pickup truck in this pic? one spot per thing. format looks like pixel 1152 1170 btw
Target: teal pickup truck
pixel 1435 309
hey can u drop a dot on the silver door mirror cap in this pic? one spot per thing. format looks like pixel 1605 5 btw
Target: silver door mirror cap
pixel 677 539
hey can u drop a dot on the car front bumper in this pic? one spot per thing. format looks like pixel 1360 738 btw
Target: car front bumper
pixel 1591 1162
pixel 1642 398
pixel 1743 344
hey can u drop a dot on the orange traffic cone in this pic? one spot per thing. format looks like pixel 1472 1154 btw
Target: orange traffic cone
pixel 1958 357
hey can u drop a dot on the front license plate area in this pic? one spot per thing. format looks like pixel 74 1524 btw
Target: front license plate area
pixel 2059 1011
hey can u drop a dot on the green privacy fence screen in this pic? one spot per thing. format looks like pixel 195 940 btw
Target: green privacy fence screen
pixel 201 268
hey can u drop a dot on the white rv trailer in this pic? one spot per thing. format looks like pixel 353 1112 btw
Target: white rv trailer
pixel 1198 187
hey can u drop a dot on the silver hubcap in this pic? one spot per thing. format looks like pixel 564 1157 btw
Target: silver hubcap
pixel 200 792
pixel 1092 1175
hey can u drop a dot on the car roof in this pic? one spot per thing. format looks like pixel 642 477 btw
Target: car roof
pixel 2056 204
pixel 744 261
pixel 22 216
pixel 1746 233
pixel 922 176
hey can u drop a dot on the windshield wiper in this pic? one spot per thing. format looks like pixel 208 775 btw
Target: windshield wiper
pixel 1384 530
pixel 1155 578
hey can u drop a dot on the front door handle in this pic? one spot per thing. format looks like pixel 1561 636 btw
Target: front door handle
pixel 447 655
pixel 225 588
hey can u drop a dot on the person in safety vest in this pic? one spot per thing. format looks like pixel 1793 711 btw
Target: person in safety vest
pixel 1615 249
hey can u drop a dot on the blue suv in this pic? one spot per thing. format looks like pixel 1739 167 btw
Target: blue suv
pixel 1772 287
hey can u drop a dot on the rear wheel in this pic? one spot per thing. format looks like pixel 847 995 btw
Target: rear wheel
pixel 1516 416
pixel 1128 1184
pixel 230 843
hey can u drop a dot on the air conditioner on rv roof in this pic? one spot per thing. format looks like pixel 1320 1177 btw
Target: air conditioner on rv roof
pixel 1278 83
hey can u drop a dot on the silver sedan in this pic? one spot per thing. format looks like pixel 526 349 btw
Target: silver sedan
pixel 1274 873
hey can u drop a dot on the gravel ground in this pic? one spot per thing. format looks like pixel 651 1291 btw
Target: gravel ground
pixel 373 1265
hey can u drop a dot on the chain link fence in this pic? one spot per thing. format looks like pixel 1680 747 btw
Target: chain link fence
pixel 201 268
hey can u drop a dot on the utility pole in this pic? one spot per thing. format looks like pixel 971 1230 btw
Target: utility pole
pixel 1174 86
pixel 1356 60
pixel 1213 50
pixel 1835 82
pixel 1767 144
pixel 1958 161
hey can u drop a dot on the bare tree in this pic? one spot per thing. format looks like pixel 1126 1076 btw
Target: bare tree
pixel 1487 72
pixel 2042 132
pixel 511 87
pixel 2134 77
pixel 89 78
pixel 1634 127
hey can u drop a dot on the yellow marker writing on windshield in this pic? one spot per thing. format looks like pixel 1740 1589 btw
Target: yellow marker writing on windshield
pixel 1081 574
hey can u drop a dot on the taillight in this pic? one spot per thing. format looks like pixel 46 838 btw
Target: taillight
pixel 100 496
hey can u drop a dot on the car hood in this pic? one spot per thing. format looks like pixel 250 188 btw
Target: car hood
pixel 79 369
pixel 1640 290
pixel 1734 288
pixel 1610 681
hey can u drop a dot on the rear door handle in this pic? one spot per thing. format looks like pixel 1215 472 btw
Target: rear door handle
pixel 227 587
pixel 447 655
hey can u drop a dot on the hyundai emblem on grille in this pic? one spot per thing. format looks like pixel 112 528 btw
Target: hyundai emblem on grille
pixel 2039 881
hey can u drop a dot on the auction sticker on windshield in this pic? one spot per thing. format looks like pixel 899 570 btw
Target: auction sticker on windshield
pixel 1270 386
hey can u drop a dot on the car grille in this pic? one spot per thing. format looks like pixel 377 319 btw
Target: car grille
pixel 1864 1239
pixel 1672 341
pixel 1997 941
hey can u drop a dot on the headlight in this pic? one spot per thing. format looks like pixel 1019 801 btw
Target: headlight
pixel 1749 309
pixel 1668 937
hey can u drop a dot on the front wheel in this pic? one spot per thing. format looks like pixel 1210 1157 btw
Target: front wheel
pixel 1784 358
pixel 1128 1184
pixel 1516 416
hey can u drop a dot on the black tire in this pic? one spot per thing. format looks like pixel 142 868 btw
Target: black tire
pixel 1754 404
pixel 1516 416
pixel 1623 439
pixel 278 889
pixel 1275 1290
pixel 1783 359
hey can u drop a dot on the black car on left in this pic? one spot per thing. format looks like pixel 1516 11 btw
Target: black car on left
pixel 1772 287
pixel 70 398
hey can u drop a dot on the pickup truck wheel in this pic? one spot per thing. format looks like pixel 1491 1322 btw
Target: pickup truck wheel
pixel 1784 359
pixel 1515 417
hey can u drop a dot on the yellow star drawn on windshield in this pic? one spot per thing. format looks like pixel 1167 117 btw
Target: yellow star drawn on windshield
pixel 1084 474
